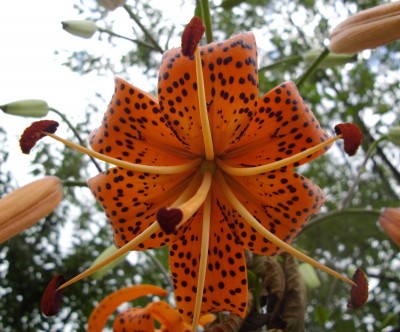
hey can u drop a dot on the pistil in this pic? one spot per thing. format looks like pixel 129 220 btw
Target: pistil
pixel 236 204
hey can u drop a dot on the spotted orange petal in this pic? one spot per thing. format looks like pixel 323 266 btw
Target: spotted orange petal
pixel 225 287
pixel 282 126
pixel 132 199
pixel 134 319
pixel 134 130
pixel 281 201
pixel 230 80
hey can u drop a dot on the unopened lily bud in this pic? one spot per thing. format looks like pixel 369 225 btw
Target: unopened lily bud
pixel 390 223
pixel 111 4
pixel 331 60
pixel 106 253
pixel 394 135
pixel 367 29
pixel 81 28
pixel 36 108
pixel 309 275
pixel 27 205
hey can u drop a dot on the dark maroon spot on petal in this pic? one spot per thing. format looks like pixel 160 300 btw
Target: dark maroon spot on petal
pixel 169 219
pixel 191 36
pixel 51 299
pixel 35 132
pixel 359 292
pixel 352 137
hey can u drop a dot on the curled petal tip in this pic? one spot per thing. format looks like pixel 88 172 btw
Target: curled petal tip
pixel 359 292
pixel 51 299
pixel 35 132
pixel 191 36
pixel 169 219
pixel 352 137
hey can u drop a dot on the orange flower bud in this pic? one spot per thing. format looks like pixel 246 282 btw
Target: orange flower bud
pixel 390 222
pixel 367 29
pixel 27 205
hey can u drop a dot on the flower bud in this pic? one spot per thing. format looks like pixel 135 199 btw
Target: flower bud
pixel 394 135
pixel 111 4
pixel 390 223
pixel 106 253
pixel 331 60
pixel 81 28
pixel 27 205
pixel 367 29
pixel 309 275
pixel 30 107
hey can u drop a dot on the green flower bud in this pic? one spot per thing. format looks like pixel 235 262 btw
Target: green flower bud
pixel 106 253
pixel 309 275
pixel 394 135
pixel 30 107
pixel 81 28
pixel 331 60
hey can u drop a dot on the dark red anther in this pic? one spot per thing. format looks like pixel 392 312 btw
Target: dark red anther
pixel 352 137
pixel 359 292
pixel 192 35
pixel 169 219
pixel 51 299
pixel 35 132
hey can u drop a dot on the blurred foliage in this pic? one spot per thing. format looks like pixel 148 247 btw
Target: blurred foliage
pixel 365 92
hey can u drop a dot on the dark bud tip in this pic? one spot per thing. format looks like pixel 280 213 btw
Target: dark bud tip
pixel 359 292
pixel 169 219
pixel 192 35
pixel 352 137
pixel 51 299
pixel 35 132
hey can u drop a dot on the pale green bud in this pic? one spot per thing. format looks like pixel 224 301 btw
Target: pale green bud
pixel 111 4
pixel 81 28
pixel 30 107
pixel 309 275
pixel 331 60
pixel 105 254
pixel 394 135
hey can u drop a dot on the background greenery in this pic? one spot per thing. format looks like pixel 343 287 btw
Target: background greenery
pixel 365 91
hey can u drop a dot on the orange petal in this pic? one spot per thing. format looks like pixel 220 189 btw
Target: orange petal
pixel 134 319
pixel 230 79
pixel 282 126
pixel 131 201
pixel 225 286
pixel 133 129
pixel 281 201
pixel 167 316
pixel 109 304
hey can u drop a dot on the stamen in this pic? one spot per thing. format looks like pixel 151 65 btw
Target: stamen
pixel 205 236
pixel 246 171
pixel 154 227
pixel 205 124
pixel 191 36
pixel 127 165
pixel 359 292
pixel 170 219
pixel 236 204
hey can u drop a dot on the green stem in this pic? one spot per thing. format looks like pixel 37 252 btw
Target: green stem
pixel 289 60
pixel 371 150
pixel 142 27
pixel 312 67
pixel 206 18
pixel 158 265
pixel 68 183
pixel 340 213
pixel 139 42
pixel 76 133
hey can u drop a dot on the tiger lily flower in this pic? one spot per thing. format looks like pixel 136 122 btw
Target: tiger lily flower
pixel 142 319
pixel 207 169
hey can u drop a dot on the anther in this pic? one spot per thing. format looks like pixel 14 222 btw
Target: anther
pixel 52 296
pixel 359 292
pixel 192 35
pixel 169 219
pixel 35 132
pixel 352 137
